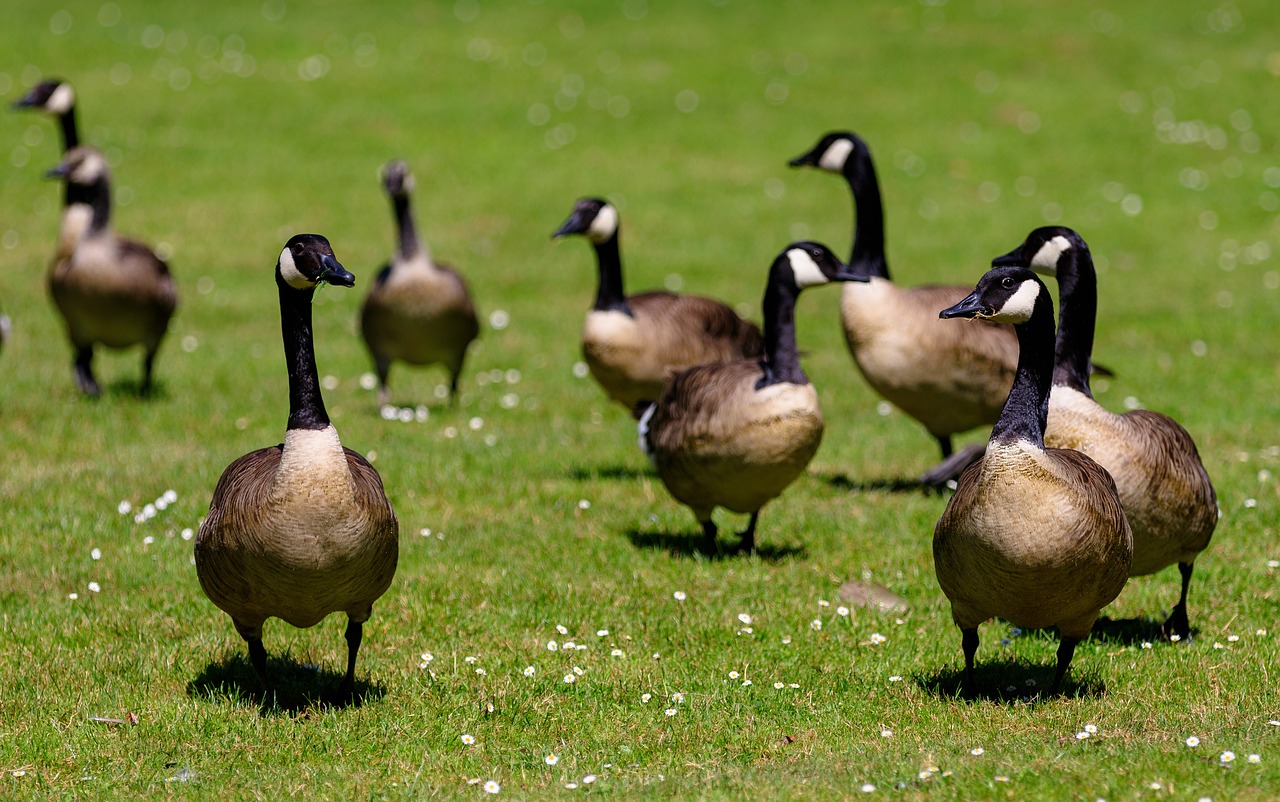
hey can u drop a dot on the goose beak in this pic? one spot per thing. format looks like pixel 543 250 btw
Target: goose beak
pixel 60 171
pixel 848 273
pixel 1011 259
pixel 576 224
pixel 809 159
pixel 969 307
pixel 335 273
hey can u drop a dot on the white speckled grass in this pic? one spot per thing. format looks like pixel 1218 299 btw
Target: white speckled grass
pixel 527 508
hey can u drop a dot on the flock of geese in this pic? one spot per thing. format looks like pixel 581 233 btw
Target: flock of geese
pixel 1049 518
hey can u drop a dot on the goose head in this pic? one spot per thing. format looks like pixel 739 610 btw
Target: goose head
pixel 809 264
pixel 1003 295
pixel 54 96
pixel 83 166
pixel 307 261
pixel 834 153
pixel 1043 250
pixel 397 179
pixel 594 218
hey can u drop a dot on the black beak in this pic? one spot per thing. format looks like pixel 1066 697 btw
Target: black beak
pixel 969 307
pixel 60 171
pixel 335 273
pixel 848 273
pixel 1011 259
pixel 576 224
pixel 809 159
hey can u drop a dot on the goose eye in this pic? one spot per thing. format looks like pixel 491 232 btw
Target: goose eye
pixel 1007 282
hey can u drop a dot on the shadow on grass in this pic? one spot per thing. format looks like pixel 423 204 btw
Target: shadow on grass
pixel 615 472
pixel 1008 681
pixel 689 544
pixel 297 688
pixel 1130 631
pixel 841 481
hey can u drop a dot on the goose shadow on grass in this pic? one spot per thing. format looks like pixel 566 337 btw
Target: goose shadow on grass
pixel 842 481
pixel 297 688
pixel 1130 631
pixel 612 472
pixel 1006 681
pixel 689 544
pixel 128 389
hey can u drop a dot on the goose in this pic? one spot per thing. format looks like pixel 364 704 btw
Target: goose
pixel 110 291
pixel 949 378
pixel 632 344
pixel 1166 492
pixel 736 434
pixel 58 98
pixel 303 529
pixel 1034 535
pixel 417 311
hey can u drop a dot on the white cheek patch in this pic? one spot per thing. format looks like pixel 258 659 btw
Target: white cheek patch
pixel 1020 306
pixel 836 154
pixel 291 274
pixel 806 271
pixel 90 169
pixel 62 99
pixel 605 225
pixel 1045 261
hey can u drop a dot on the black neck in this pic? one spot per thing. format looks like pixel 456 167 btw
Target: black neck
pixel 868 226
pixel 70 137
pixel 97 196
pixel 781 355
pixel 1027 408
pixel 405 229
pixel 609 293
pixel 1078 299
pixel 306 407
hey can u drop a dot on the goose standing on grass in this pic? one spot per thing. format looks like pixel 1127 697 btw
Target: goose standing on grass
pixel 417 311
pixel 303 529
pixel 1034 535
pixel 1165 490
pixel 949 378
pixel 632 344
pixel 110 291
pixel 736 434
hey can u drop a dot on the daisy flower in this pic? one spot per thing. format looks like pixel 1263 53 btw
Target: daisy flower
pixel 469 740
pixel 492 787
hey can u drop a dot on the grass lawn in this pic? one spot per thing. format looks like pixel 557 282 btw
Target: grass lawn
pixel 529 519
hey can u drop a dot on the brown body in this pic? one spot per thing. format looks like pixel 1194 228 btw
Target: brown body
pixel 297 532
pixel 1034 536
pixel 634 356
pixel 1167 496
pixel 951 377
pixel 717 441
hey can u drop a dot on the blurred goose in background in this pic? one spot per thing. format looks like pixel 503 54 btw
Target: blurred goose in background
pixel 109 290
pixel 632 344
pixel 1034 535
pixel 56 97
pixel 949 378
pixel 417 311
pixel 303 529
pixel 1167 496
pixel 736 434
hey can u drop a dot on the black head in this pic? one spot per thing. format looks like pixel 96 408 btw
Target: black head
pixel 1043 250
pixel 54 96
pixel 808 264
pixel 594 218
pixel 1003 295
pixel 83 166
pixel 397 179
pixel 308 261
pixel 834 152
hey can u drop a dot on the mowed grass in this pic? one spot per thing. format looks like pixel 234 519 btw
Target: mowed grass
pixel 528 508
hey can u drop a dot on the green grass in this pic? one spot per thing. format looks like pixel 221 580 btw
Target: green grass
pixel 984 117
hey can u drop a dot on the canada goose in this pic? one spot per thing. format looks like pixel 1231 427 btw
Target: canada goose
pixel 302 529
pixel 736 434
pixel 417 310
pixel 1034 535
pixel 949 378
pixel 110 291
pixel 1165 490
pixel 56 97
pixel 632 344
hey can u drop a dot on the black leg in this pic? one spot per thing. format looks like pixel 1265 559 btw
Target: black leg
pixel 84 371
pixel 1065 651
pixel 969 643
pixel 355 631
pixel 748 542
pixel 709 537
pixel 1178 623
pixel 944 442
pixel 258 659
pixel 148 362
pixel 951 467
pixel 453 386
pixel 383 368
